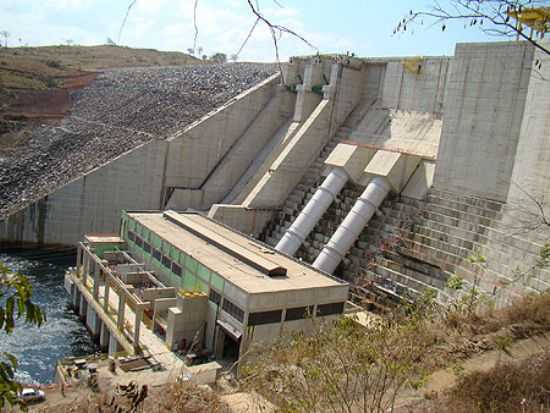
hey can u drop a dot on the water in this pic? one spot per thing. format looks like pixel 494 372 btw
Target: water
pixel 63 334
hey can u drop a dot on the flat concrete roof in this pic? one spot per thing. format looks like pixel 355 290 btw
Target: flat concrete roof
pixel 214 248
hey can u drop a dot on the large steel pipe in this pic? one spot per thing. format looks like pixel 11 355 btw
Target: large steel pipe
pixel 349 230
pixel 312 212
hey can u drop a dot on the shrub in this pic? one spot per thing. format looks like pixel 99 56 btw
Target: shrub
pixel 506 388
pixel 53 64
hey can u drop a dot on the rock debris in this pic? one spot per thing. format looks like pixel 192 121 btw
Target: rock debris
pixel 120 110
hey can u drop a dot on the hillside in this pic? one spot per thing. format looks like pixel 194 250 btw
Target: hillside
pixel 40 68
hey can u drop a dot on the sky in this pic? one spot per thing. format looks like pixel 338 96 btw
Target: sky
pixel 364 27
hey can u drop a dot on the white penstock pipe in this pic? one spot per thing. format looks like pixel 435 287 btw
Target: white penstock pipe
pixel 313 211
pixel 349 230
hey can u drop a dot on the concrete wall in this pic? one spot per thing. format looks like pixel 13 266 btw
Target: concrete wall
pixel 421 92
pixel 239 157
pixel 484 107
pixel 531 170
pixel 198 148
pixel 349 91
pixel 247 221
pixel 93 202
pixel 287 170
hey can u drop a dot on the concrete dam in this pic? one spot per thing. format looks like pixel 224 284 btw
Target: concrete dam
pixel 393 174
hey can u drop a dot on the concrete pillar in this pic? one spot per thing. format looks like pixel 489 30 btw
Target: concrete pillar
pixel 76 299
pixel 104 337
pixel 306 100
pixel 137 325
pixel 83 309
pixel 96 282
pixel 93 321
pixel 85 269
pixel 121 310
pixel 106 297
pixel 349 230
pixel 114 347
pixel 78 258
pixel 313 211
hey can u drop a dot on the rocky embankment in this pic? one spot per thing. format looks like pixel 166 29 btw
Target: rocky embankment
pixel 120 110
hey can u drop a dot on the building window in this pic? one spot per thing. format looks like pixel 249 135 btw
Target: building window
pixel 298 313
pixel 167 262
pixel 147 247
pixel 265 317
pixel 233 310
pixel 176 269
pixel 330 309
pixel 215 297
pixel 156 254
pixel 131 236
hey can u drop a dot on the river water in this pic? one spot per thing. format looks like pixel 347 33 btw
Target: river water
pixel 63 334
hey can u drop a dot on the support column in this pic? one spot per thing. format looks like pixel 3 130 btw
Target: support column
pixel 349 230
pixel 104 337
pixel 137 325
pixel 78 258
pixel 96 281
pixel 114 347
pixel 76 298
pixel 121 310
pixel 85 269
pixel 93 321
pixel 83 309
pixel 313 211
pixel 106 296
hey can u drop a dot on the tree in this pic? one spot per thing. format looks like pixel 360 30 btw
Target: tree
pixel 110 42
pixel 191 51
pixel 199 51
pixel 504 18
pixel 219 57
pixel 15 303
pixel 69 42
pixel 343 367
pixel 5 34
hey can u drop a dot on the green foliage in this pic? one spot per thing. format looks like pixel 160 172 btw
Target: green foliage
pixel 455 283
pixel 343 367
pixel 15 303
pixel 544 256
pixel 55 64
pixel 219 57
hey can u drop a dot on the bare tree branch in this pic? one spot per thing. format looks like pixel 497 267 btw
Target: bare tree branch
pixel 493 17
pixel 130 6
pixel 195 25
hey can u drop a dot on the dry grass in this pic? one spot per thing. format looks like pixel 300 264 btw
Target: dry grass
pixel 38 68
pixel 459 335
pixel 507 388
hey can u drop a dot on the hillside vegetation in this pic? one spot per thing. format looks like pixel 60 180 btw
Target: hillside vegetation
pixel 40 68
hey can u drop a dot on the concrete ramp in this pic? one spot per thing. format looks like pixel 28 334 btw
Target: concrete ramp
pixel 416 133
pixel 262 163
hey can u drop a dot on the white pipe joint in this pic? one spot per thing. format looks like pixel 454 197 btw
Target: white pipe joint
pixel 327 192
pixel 354 223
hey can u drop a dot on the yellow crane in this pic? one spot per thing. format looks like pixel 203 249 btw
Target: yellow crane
pixel 536 18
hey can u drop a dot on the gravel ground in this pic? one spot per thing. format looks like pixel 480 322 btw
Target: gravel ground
pixel 120 110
